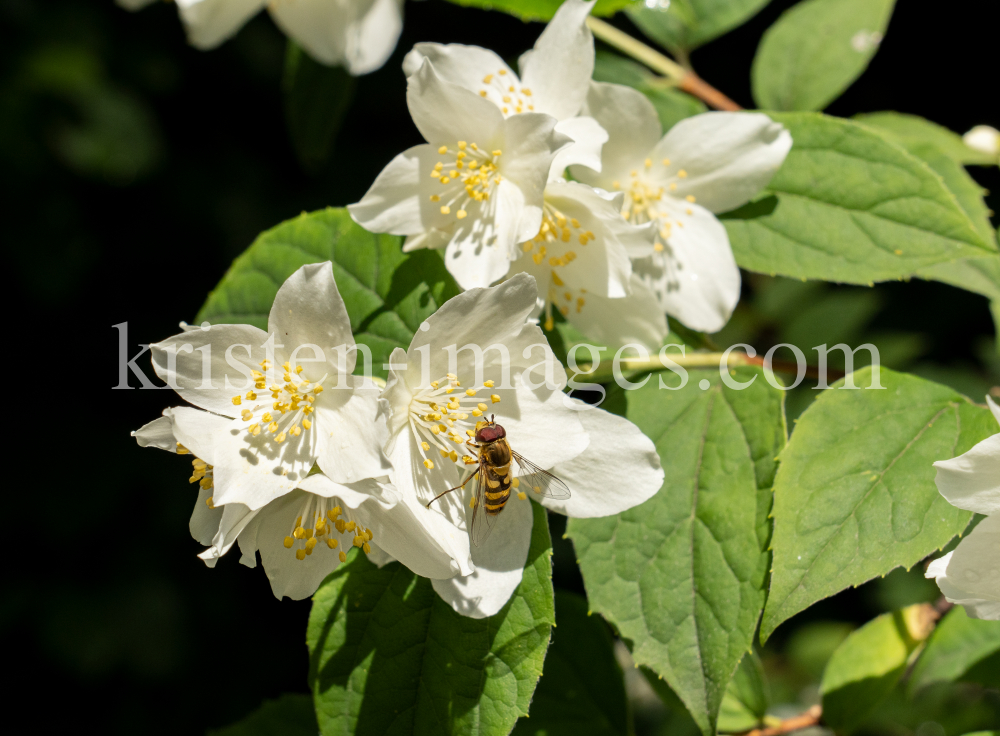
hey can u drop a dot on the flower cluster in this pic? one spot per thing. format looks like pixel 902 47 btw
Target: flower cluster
pixel 630 239
pixel 299 460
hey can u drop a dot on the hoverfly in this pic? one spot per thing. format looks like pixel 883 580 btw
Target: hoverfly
pixel 494 479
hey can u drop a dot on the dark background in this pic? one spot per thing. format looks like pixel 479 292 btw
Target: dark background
pixel 135 168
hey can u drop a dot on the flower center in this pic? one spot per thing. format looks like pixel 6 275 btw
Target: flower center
pixel 323 524
pixel 467 174
pixel 642 202
pixel 508 90
pixel 292 404
pixel 201 474
pixel 439 416
pixel 552 245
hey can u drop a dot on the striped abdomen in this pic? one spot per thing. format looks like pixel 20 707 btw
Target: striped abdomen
pixel 496 456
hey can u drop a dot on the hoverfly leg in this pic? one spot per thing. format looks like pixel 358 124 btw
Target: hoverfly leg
pixel 461 485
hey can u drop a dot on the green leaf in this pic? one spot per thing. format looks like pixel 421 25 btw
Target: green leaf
pixel 582 692
pixel 855 496
pixel 388 657
pixel 387 293
pixel 912 129
pixel 671 104
pixel 864 670
pixel 849 206
pixel 815 51
pixel 684 25
pixel 956 646
pixel 316 99
pixel 746 701
pixel 290 714
pixel 542 10
pixel 681 576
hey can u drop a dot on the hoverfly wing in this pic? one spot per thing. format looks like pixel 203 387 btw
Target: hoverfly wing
pixel 538 483
pixel 482 523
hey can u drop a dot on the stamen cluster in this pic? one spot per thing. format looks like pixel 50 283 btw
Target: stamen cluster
pixel 292 405
pixel 438 415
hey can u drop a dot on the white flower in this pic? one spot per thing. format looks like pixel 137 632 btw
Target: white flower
pixel 290 395
pixel 969 575
pixel 581 261
pixel 360 34
pixel 304 535
pixel 555 77
pixel 708 163
pixel 477 183
pixel 983 138
pixel 477 356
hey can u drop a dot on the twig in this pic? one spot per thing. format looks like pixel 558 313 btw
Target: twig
pixel 807 720
pixel 699 360
pixel 685 79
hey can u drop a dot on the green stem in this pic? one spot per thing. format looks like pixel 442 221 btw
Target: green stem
pixel 636 49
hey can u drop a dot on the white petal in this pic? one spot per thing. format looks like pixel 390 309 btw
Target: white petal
pixel 475 263
pixel 198 431
pixel 308 310
pixel 350 436
pixel 558 69
pixel 158 433
pixel 635 318
pixel 619 469
pixel 530 146
pixel 633 129
pixel 235 518
pixel 542 428
pixel 696 279
pixel 972 481
pixel 215 390
pixel 371 41
pixel 994 409
pixel 446 113
pixel 588 140
pixel 290 576
pixel 444 521
pixel 602 266
pixel 205 521
pixel 499 565
pixel 465 66
pixel 728 156
pixel 210 22
pixel 392 204
pixel 970 575
pixel 255 471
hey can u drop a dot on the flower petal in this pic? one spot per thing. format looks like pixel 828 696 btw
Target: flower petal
pixel 633 129
pixel 972 481
pixel 445 113
pixel 445 519
pixel 205 519
pixel 465 66
pixel 198 430
pixel 499 565
pixel 558 69
pixel 158 433
pixel 530 145
pixel 393 204
pixel 474 261
pixel 696 279
pixel 210 22
pixel 635 318
pixel 970 575
pixel 308 310
pixel 373 38
pixel 350 437
pixel 235 518
pixel 178 360
pixel 254 471
pixel 619 470
pixel 588 140
pixel 728 156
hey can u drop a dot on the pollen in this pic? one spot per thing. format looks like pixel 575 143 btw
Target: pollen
pixel 665 162
pixel 682 174
pixel 522 495
pixel 494 398
pixel 445 209
pixel 237 400
pixel 690 198
pixel 429 464
pixel 648 163
pixel 515 482
pixel 461 214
